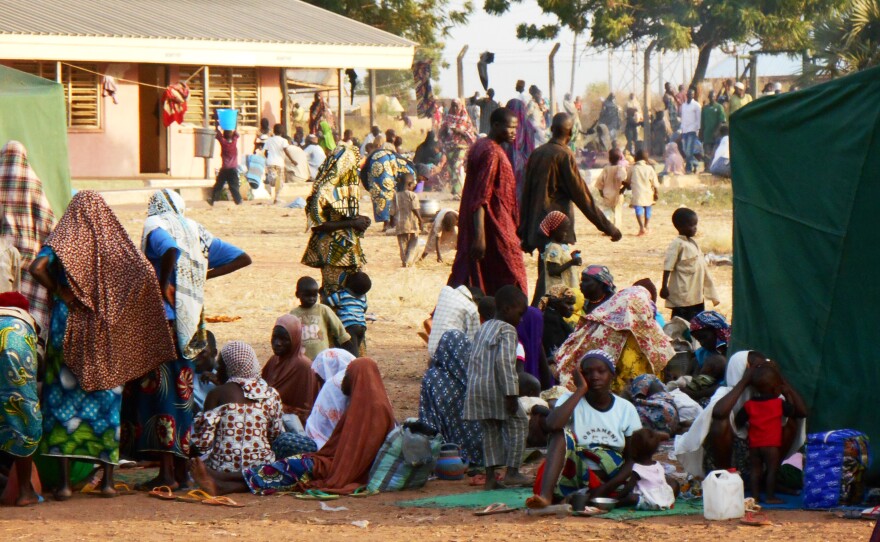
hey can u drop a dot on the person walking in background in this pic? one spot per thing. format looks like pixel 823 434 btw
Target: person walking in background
pixel 228 174
pixel 573 110
pixel 408 221
pixel 610 185
pixel 473 109
pixel 457 135
pixel 319 111
pixel 691 115
pixel 739 98
pixel 610 117
pixel 488 105
pixel 275 149
pixel 711 119
pixel 634 119
pixel 671 105
pixel 644 184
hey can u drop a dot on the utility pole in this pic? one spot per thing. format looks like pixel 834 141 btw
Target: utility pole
pixel 660 87
pixel 574 49
pixel 610 82
pixel 646 99
pixel 372 98
pixel 552 70
pixel 460 65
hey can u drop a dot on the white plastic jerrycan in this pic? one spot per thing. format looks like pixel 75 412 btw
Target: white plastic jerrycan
pixel 723 496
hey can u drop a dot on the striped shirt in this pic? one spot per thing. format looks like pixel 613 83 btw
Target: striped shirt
pixel 491 372
pixel 349 307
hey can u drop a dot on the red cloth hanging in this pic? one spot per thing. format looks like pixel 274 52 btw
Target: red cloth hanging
pixel 174 103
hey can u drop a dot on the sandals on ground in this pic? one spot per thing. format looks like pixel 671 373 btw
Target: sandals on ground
pixel 163 492
pixel 495 508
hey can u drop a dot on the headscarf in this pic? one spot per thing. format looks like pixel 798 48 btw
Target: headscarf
pixel 465 134
pixel 14 299
pixel 428 152
pixel 343 464
pixel 326 140
pixel 530 331
pixel 551 222
pixel 243 368
pixel 524 144
pixel 608 327
pixel 656 411
pixel 673 159
pixel 27 219
pixel 560 291
pixel 714 321
pixel 602 356
pixel 331 403
pixel 292 375
pixel 603 275
pixel 166 210
pixel 116 330
pixel 441 401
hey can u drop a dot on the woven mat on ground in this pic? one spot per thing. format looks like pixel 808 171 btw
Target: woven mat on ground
pixel 514 498
pixel 682 508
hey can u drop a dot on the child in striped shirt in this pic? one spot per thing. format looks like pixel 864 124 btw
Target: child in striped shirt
pixel 350 304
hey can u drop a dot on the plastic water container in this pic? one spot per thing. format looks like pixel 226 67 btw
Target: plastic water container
pixel 723 496
pixel 228 118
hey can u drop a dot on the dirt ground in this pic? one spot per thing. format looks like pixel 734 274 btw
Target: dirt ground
pixel 401 298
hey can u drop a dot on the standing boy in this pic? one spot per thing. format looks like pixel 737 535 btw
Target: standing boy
pixel 228 173
pixel 319 322
pixel 275 147
pixel 686 279
pixel 493 389
pixel 405 210
pixel 644 184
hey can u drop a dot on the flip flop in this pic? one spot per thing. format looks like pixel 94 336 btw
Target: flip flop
pixel 588 512
pixel 163 492
pixel 316 495
pixel 755 519
pixel 195 496
pixel 222 501
pixel 871 513
pixel 480 479
pixel 495 508
pixel 363 492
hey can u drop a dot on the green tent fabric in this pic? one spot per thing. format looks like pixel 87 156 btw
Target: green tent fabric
pixel 805 183
pixel 32 112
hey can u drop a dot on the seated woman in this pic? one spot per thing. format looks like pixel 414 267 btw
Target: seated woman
pixel 714 441
pixel 289 371
pixel 655 405
pixel 243 400
pixel 597 285
pixel 329 368
pixel 341 466
pixel 712 331
pixel 441 402
pixel 590 429
pixel 625 328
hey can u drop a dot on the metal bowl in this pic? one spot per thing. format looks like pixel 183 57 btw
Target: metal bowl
pixel 429 208
pixel 604 503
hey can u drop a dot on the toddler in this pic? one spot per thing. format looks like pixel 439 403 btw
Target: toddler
pixel 405 210
pixel 559 261
pixel 350 304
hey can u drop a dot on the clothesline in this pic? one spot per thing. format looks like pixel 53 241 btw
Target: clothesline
pixel 129 80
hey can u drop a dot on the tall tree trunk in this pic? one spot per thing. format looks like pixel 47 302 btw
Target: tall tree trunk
pixel 702 64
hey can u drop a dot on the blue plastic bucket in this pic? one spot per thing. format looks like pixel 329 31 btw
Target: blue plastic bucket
pixel 228 118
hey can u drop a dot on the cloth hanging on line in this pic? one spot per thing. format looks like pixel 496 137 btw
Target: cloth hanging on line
pixel 174 103
pixel 424 91
pixel 108 88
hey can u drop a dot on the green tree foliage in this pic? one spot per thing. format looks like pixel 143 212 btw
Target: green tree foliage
pixel 777 25
pixel 846 40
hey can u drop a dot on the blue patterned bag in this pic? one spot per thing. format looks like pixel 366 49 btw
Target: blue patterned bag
pixel 835 464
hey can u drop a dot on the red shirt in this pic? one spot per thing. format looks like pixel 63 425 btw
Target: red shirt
pixel 765 423
pixel 228 150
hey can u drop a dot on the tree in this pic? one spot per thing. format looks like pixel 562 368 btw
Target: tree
pixel 777 25
pixel 846 40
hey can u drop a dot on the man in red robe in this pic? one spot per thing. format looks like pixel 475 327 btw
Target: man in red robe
pixel 489 254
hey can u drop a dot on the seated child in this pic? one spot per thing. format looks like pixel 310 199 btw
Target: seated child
pixel 702 387
pixel 493 390
pixel 206 377
pixel 559 261
pixel 405 210
pixel 350 304
pixel 764 413
pixel 645 482
pixel 319 322
pixel 535 408
pixel 486 309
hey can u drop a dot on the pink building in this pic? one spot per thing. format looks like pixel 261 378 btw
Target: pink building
pixel 242 54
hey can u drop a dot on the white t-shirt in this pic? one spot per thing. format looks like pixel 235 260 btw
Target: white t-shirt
pixel 301 170
pixel 610 428
pixel 275 146
pixel 316 157
pixel 723 150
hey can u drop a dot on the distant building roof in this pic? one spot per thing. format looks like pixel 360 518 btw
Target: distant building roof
pixel 224 32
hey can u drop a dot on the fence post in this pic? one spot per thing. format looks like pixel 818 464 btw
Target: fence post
pixel 460 65
pixel 552 60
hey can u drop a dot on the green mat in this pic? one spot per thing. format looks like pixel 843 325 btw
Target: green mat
pixel 514 498
pixel 682 508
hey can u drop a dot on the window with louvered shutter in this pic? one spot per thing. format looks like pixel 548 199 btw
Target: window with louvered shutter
pixel 228 88
pixel 82 90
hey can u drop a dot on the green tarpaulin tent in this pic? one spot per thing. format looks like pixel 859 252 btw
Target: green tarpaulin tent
pixel 32 112
pixel 806 185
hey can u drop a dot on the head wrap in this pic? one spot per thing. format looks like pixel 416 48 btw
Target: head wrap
pixel 602 274
pixel 14 299
pixel 560 291
pixel 291 375
pixel 602 356
pixel 241 362
pixel 551 222
pixel 714 321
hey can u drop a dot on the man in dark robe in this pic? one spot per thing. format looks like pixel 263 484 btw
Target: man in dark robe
pixel 488 105
pixel 553 183
pixel 488 254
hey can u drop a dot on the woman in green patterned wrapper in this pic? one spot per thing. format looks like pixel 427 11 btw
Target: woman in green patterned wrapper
pixel 334 217
pixel 21 424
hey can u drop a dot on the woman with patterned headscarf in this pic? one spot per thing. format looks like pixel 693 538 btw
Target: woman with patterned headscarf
pixel 27 219
pixel 333 213
pixel 107 327
pixel 184 255
pixel 243 400
pixel 712 331
pixel 457 134
pixel 380 174
pixel 597 285
pixel 625 328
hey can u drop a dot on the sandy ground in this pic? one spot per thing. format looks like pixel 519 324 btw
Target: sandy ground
pixel 401 298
